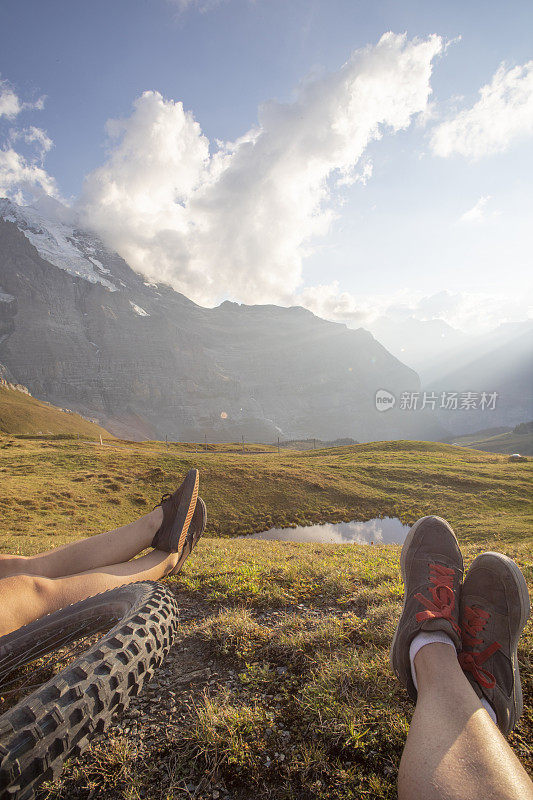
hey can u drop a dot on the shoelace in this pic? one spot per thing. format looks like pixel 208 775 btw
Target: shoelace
pixel 443 596
pixel 164 497
pixel 174 498
pixel 474 620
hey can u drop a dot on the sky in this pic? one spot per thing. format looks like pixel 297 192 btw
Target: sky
pixel 357 158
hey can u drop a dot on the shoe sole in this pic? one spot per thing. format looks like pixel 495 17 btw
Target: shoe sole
pixel 403 557
pixel 195 536
pixel 523 594
pixel 186 506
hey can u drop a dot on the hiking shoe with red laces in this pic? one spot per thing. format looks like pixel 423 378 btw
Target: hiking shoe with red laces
pixel 494 609
pixel 178 509
pixel 432 572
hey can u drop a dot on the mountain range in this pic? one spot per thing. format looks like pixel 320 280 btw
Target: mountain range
pixel 82 330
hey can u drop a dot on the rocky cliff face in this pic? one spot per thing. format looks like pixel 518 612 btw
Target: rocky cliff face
pixel 86 332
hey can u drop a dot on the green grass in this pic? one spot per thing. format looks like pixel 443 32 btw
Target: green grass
pixel 54 491
pixel 303 703
pixel 21 413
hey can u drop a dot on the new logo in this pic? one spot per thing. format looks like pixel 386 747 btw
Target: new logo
pixel 384 400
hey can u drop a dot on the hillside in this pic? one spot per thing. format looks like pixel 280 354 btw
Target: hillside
pixel 504 443
pixel 20 413
pixel 279 685
pixel 503 367
pixel 313 444
pixel 517 440
pixel 73 486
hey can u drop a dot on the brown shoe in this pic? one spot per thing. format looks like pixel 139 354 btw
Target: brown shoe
pixel 197 527
pixel 432 571
pixel 178 509
pixel 494 610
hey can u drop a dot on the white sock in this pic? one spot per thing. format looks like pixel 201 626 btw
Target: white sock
pixel 421 639
pixel 490 711
pixel 429 637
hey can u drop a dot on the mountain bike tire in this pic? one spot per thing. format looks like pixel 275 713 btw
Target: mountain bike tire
pixel 58 720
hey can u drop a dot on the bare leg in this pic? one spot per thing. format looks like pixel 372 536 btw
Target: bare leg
pixel 101 550
pixel 24 598
pixel 454 751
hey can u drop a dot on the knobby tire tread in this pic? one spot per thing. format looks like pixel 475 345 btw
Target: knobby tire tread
pixel 59 719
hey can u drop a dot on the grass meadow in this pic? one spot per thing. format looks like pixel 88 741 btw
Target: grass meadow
pixel 279 685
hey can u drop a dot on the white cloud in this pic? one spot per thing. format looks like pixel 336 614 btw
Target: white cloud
pixel 327 301
pixel 351 175
pixel 239 222
pixel 474 312
pixel 10 105
pixel 478 211
pixel 502 115
pixel 22 179
pixel 35 137
pixel 38 138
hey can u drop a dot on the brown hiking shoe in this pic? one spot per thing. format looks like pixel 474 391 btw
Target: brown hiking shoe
pixel 196 528
pixel 432 571
pixel 494 610
pixel 178 509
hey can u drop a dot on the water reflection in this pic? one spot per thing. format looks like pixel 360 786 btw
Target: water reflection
pixel 389 530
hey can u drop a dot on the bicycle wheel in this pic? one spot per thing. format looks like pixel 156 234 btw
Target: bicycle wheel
pixel 59 718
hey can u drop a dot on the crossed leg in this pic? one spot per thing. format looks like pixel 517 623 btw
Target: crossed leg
pixel 31 586
pixel 454 751
pixel 101 550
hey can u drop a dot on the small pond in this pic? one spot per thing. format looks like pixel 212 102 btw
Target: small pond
pixel 389 530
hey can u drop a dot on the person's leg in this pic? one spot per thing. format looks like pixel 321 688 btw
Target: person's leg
pixel 24 598
pixel 454 751
pixel 164 528
pixel 100 550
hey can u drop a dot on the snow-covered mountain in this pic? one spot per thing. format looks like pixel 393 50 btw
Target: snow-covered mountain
pixel 59 241
pixel 83 330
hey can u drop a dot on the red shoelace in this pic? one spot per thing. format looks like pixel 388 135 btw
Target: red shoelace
pixel 474 620
pixel 443 596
